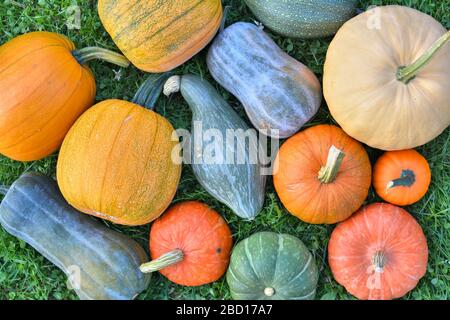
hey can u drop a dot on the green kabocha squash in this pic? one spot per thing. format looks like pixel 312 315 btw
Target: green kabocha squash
pixel 279 93
pixel 271 266
pixel 303 18
pixel 102 264
pixel 238 183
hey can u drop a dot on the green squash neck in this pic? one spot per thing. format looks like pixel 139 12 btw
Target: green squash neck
pixel 85 55
pixel 406 179
pixel 407 73
pixel 149 92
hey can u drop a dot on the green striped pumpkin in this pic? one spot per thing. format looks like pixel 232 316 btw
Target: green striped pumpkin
pixel 270 266
pixel 303 18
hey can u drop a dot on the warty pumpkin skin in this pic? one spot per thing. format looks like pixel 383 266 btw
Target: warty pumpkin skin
pixel 303 18
pixel 390 90
pixel 44 87
pixel 271 266
pixel 116 162
pixel 277 91
pixel 322 175
pixel 380 253
pixel 239 185
pixel 190 244
pixel 105 262
pixel 401 177
pixel 158 36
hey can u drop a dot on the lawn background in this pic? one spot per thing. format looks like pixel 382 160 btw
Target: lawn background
pixel 25 274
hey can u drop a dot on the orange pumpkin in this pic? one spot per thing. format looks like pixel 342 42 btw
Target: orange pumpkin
pixel 191 245
pixel 118 162
pixel 44 87
pixel 380 253
pixel 158 36
pixel 322 175
pixel 401 177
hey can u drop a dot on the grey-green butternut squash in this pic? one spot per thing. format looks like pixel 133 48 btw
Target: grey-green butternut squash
pixel 271 266
pixel 279 93
pixel 239 183
pixel 103 264
pixel 303 18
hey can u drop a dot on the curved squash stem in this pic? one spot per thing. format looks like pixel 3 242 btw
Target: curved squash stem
pixel 162 262
pixel 379 261
pixel 408 73
pixel 150 90
pixel 328 173
pixel 4 190
pixel 407 179
pixel 90 53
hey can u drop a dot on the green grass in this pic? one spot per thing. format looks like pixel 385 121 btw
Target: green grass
pixel 24 274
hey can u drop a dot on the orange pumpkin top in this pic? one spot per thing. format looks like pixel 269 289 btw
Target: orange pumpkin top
pixel 191 243
pixel 322 175
pixel 401 177
pixel 44 88
pixel 380 253
pixel 158 36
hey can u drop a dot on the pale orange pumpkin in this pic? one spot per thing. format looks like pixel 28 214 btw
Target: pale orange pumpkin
pixel 380 253
pixel 45 86
pixel 119 161
pixel 387 78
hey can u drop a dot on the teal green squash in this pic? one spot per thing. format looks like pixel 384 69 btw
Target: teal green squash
pixel 270 266
pixel 279 93
pixel 239 184
pixel 102 264
pixel 303 18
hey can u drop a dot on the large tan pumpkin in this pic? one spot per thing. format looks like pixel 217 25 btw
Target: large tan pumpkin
pixel 371 95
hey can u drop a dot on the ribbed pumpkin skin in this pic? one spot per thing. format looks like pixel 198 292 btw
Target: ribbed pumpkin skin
pixel 303 18
pixel 269 260
pixel 43 90
pixel 376 227
pixel 35 211
pixel 203 236
pixel 240 186
pixel 390 166
pixel 298 163
pixel 361 86
pixel 115 163
pixel 277 91
pixel 158 36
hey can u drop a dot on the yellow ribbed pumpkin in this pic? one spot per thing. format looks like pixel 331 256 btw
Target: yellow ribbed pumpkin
pixel 158 36
pixel 387 78
pixel 117 161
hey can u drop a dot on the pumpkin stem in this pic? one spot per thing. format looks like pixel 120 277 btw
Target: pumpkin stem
pixel 166 260
pixel 90 53
pixel 379 261
pixel 328 173
pixel 224 17
pixel 407 179
pixel 269 292
pixel 150 90
pixel 408 73
pixel 4 190
pixel 172 85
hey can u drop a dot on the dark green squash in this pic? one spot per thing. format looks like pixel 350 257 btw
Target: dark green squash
pixel 270 266
pixel 239 185
pixel 105 262
pixel 303 18
pixel 279 93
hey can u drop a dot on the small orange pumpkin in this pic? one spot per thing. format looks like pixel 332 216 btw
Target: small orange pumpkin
pixel 380 253
pixel 191 245
pixel 322 175
pixel 401 177
pixel 44 87
pixel 118 162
